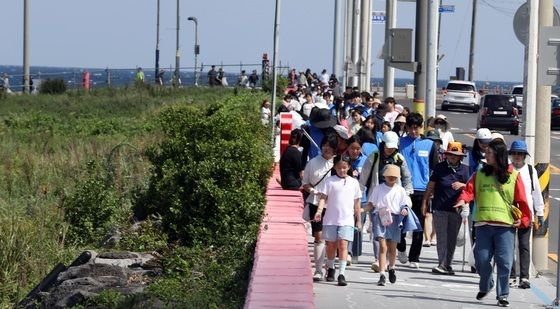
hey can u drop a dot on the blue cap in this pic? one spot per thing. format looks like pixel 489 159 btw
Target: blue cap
pixel 519 146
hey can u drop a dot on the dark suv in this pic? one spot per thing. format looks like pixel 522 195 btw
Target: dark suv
pixel 499 112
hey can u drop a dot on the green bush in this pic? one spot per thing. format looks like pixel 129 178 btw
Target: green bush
pixel 210 173
pixel 281 85
pixel 53 86
pixel 94 209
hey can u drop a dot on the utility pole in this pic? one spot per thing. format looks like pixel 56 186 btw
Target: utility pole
pixel 196 48
pixel 432 57
pixel 356 41
pixel 338 46
pixel 473 36
pixel 275 63
pixel 348 66
pixel 26 46
pixel 420 55
pixel 542 143
pixel 388 71
pixel 156 75
pixel 364 42
pixel 177 52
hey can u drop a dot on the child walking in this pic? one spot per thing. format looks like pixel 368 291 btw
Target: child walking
pixel 389 201
pixel 341 195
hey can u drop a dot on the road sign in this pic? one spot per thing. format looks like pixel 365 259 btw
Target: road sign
pixel 447 8
pixel 521 22
pixel 378 17
pixel 548 68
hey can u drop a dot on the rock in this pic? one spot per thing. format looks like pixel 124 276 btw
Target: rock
pixel 75 298
pixel 117 255
pixel 84 281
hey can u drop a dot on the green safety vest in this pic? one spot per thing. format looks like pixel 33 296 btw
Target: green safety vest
pixel 490 203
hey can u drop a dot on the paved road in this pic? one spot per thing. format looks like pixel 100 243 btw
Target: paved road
pixel 464 128
pixel 420 288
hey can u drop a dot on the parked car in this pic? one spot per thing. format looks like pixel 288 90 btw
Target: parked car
pixel 461 94
pixel 555 113
pixel 517 92
pixel 499 112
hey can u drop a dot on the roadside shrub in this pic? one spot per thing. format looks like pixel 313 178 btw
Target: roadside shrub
pixel 210 173
pixel 53 86
pixel 281 85
pixel 94 209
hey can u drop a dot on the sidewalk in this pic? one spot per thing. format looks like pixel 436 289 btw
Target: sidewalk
pixel 420 288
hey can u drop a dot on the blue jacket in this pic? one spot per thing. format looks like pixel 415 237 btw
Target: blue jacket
pixel 420 155
pixel 410 222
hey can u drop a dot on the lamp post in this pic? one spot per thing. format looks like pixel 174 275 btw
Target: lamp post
pixel 157 45
pixel 177 52
pixel 196 48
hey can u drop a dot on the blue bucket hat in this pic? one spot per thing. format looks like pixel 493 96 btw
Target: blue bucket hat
pixel 519 146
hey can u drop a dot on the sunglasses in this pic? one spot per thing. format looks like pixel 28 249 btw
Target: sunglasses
pixel 439 122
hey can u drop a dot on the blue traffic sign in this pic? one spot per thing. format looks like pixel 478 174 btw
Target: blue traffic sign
pixel 447 9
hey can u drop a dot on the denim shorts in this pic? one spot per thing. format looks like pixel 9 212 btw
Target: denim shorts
pixel 336 232
pixel 391 232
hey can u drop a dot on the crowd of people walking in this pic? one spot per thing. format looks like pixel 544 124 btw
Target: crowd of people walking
pixel 359 159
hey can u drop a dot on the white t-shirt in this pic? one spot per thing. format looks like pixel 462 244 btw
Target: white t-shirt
pixel 341 194
pixel 534 198
pixel 393 197
pixel 446 138
pixel 315 169
pixel 325 79
pixel 391 117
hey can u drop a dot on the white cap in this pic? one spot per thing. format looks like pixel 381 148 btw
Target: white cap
pixel 342 131
pixel 391 139
pixel 484 135
pixel 497 135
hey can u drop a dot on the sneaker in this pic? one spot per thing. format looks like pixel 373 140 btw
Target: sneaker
pixel 439 270
pixel 503 302
pixel 375 266
pixel 349 260
pixel 524 284
pixel 392 275
pixel 342 280
pixel 450 270
pixel 354 259
pixel 382 280
pixel 481 295
pixel 433 243
pixel 473 270
pixel 415 265
pixel 402 257
pixel 330 274
pixel 426 244
pixel 512 282
pixel 318 276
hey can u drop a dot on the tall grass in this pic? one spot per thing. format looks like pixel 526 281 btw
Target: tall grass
pixel 48 143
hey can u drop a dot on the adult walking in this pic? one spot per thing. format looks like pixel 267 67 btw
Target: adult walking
pixel 518 153
pixel 446 183
pixel 421 156
pixel 316 172
pixel 291 171
pixel 498 190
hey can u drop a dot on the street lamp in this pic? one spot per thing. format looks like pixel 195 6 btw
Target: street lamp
pixel 196 48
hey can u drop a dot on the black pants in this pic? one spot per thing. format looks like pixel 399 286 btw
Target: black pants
pixel 417 237
pixel 523 236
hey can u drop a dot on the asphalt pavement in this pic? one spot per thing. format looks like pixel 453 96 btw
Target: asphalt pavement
pixel 420 288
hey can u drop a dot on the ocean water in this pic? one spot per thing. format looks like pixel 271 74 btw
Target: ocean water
pixel 122 77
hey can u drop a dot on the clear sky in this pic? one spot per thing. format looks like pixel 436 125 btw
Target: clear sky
pixel 122 34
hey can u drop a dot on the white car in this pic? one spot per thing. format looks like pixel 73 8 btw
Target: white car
pixel 461 94
pixel 517 92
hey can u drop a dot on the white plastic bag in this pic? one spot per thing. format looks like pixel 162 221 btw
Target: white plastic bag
pixel 472 262
pixel 461 236
pixel 385 216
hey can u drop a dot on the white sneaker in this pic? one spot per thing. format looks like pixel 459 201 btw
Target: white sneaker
pixel 318 276
pixel 354 260
pixel 402 257
pixel 415 265
pixel 349 260
pixel 375 267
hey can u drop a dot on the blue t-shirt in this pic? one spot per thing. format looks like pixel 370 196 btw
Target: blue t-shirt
pixel 444 176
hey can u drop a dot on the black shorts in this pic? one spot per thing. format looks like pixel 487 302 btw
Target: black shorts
pixel 315 226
